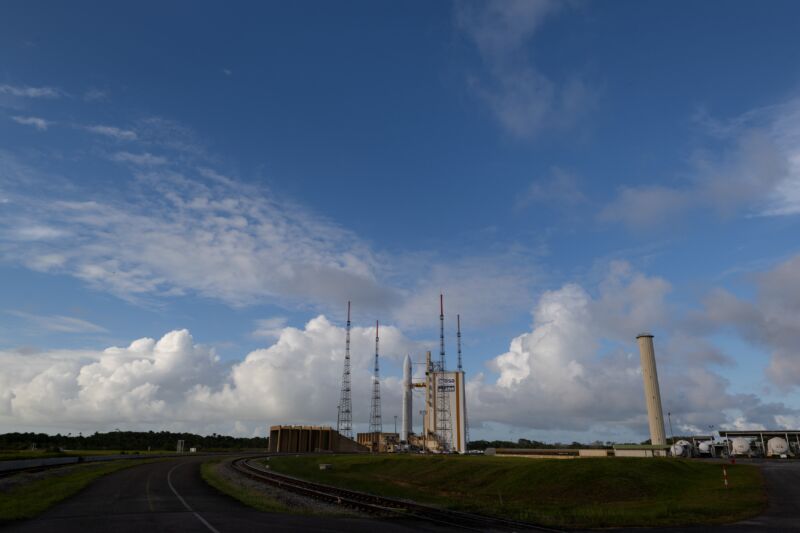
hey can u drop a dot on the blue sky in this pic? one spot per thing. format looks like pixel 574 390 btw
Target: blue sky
pixel 226 178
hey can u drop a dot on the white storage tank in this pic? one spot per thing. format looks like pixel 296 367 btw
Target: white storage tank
pixel 706 448
pixel 777 446
pixel 682 448
pixel 741 446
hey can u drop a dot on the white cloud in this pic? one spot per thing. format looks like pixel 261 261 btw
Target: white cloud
pixel 145 159
pixel 269 328
pixel 35 232
pixel 116 133
pixel 771 320
pixel 167 235
pixel 578 368
pixel 576 371
pixel 523 99
pixel 758 173
pixel 38 123
pixel 560 189
pixel 94 95
pixel 174 382
pixel 59 323
pixel 29 92
pixel 484 291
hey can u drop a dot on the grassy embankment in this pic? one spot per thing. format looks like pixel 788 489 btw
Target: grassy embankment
pixel 210 471
pixel 571 493
pixel 30 499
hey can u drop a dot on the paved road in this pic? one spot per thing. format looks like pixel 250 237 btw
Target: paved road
pixel 171 496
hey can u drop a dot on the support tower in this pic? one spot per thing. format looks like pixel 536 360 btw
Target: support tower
pixel 344 421
pixel 375 423
pixel 443 427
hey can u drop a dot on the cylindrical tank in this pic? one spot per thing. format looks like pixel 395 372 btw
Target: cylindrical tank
pixel 741 446
pixel 682 448
pixel 652 394
pixel 777 446
pixel 705 447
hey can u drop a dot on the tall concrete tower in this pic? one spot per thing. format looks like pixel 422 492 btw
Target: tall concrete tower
pixel 405 428
pixel 652 393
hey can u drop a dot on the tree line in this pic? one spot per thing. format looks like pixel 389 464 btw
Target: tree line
pixel 129 441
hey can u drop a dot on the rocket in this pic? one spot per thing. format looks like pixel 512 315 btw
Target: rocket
pixel 405 428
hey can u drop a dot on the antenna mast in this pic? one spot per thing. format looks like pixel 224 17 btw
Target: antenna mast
pixel 375 423
pixel 443 397
pixel 344 422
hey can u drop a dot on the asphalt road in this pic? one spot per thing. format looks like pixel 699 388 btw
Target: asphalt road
pixel 171 496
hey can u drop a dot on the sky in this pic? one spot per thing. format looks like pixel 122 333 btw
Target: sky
pixel 191 192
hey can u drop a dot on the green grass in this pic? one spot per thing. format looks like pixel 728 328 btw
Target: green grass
pixel 590 492
pixel 258 500
pixel 30 499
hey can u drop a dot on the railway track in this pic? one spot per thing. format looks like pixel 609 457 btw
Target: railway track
pixel 379 505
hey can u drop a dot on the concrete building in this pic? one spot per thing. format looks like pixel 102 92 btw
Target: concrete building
pixel 309 439
pixel 378 442
pixel 640 450
pixel 652 393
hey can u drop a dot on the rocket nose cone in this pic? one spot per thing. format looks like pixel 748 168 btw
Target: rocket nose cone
pixel 407 366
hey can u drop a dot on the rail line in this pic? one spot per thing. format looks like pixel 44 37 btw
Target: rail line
pixel 380 505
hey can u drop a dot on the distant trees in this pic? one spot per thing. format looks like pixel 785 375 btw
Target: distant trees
pixel 129 441
pixel 528 443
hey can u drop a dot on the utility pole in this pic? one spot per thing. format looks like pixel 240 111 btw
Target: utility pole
pixel 671 434
pixel 344 420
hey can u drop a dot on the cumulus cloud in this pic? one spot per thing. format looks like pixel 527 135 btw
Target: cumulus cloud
pixel 758 172
pixel 113 132
pixel 174 382
pixel 523 99
pixel 578 368
pixel 38 123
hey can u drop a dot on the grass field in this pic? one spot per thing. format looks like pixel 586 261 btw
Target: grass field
pixel 571 493
pixel 30 499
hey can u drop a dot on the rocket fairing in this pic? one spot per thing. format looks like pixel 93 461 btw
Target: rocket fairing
pixel 405 429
